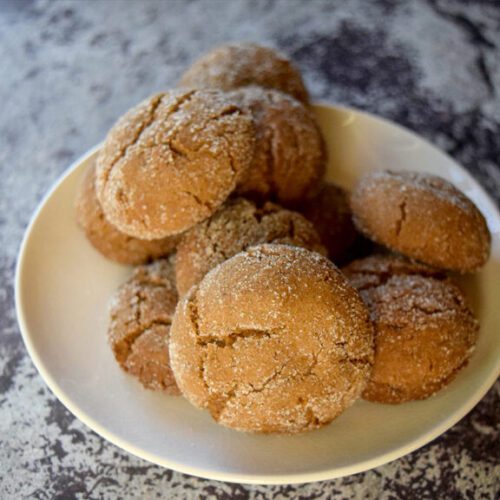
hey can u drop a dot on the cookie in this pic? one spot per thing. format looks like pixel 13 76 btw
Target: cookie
pixel 424 330
pixel 235 227
pixel 423 217
pixel 273 340
pixel 237 65
pixel 140 316
pixel 290 154
pixel 331 216
pixel 106 239
pixel 171 161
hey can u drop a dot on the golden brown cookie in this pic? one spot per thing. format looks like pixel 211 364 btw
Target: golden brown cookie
pixel 141 313
pixel 331 216
pixel 235 227
pixel 423 217
pixel 171 161
pixel 290 154
pixel 272 340
pixel 105 238
pixel 237 65
pixel 424 330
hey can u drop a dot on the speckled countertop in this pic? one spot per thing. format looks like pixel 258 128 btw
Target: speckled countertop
pixel 68 69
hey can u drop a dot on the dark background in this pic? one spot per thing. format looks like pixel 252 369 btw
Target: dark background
pixel 68 69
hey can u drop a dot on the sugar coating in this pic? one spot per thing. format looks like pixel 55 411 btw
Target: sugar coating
pixel 423 217
pixel 328 210
pixel 290 154
pixel 140 316
pixel 237 65
pixel 272 340
pixel 236 226
pixel 376 269
pixel 108 240
pixel 424 330
pixel 171 161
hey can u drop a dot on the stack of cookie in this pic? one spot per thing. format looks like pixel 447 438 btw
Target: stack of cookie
pixel 215 190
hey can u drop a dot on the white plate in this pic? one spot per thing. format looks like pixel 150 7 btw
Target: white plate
pixel 62 291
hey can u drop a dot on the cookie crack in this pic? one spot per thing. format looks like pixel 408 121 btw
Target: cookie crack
pixel 269 380
pixel 177 149
pixel 232 161
pixel 184 99
pixel 384 276
pixel 312 420
pixel 230 339
pixel 361 361
pixel 150 119
pixel 357 362
pixel 430 310
pixel 198 200
pixel 230 111
pixel 219 403
pixel 127 343
pixel 201 373
pixel 145 126
pixel 193 314
pixel 402 217
pixel 192 307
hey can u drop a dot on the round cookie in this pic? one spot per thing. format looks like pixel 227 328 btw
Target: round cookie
pixel 423 217
pixel 105 238
pixel 171 161
pixel 424 330
pixel 237 65
pixel 290 154
pixel 331 216
pixel 140 316
pixel 273 340
pixel 238 225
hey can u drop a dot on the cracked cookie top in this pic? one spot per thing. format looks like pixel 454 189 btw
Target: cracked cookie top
pixel 272 340
pixel 237 65
pixel 424 330
pixel 172 160
pixel 290 154
pixel 423 217
pixel 235 227
pixel 140 316
pixel 108 240
pixel 376 269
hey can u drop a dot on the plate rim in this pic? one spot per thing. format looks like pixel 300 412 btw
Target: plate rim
pixel 272 479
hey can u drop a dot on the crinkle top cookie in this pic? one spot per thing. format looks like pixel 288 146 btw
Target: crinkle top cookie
pixel 171 161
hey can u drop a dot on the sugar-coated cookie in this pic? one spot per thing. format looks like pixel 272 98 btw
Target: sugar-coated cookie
pixel 423 217
pixel 140 316
pixel 272 340
pixel 235 227
pixel 290 154
pixel 171 161
pixel 237 65
pixel 424 330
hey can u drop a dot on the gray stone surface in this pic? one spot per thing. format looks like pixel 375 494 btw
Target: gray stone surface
pixel 69 69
